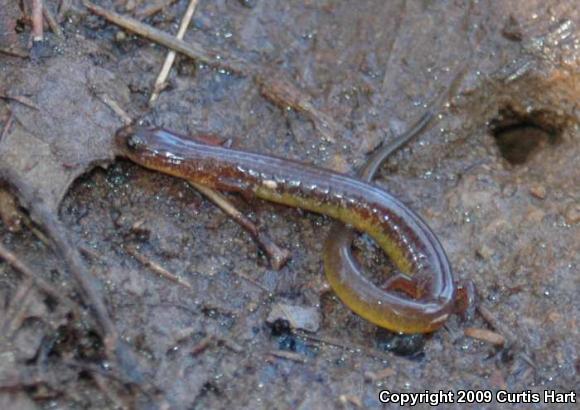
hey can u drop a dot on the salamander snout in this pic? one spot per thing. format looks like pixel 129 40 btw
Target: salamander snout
pixel 128 139
pixel 135 141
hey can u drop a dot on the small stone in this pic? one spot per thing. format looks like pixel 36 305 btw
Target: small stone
pixel 248 3
pixel 572 213
pixel 120 36
pixel 538 191
pixel 485 252
pixel 252 306
pixel 535 215
pixel 509 190
pixel 512 30
pixel 485 336
pixel 9 212
pixel 299 317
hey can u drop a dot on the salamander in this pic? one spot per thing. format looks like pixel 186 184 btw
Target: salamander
pixel 400 232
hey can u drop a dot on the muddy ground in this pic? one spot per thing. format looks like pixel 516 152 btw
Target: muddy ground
pixel 497 178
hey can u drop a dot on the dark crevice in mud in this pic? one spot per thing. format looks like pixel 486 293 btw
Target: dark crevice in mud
pixel 519 137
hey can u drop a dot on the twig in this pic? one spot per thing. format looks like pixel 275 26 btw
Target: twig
pixel 349 399
pixel 252 281
pixel 37 23
pixel 16 309
pixel 20 99
pixel 511 340
pixel 63 9
pixel 155 267
pixel 16 379
pixel 495 323
pixel 111 374
pixel 230 344
pixel 153 9
pixel 191 49
pixel 327 340
pixel 93 254
pixel 484 335
pixel 277 256
pixel 380 374
pixel 129 5
pixel 37 232
pixel 69 253
pixel 118 401
pixel 52 22
pixel 113 105
pixel 283 354
pixel 7 125
pixel 170 58
pixel 14 52
pixel 395 30
pixel 338 343
pixel 43 285
pixel 202 345
pixel 285 94
pixel 281 92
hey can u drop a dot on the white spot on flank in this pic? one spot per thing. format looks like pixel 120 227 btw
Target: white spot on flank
pixel 268 183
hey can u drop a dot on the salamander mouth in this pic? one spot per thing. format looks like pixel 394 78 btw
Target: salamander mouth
pixel 124 132
pixel 128 139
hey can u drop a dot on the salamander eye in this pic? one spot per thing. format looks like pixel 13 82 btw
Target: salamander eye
pixel 134 142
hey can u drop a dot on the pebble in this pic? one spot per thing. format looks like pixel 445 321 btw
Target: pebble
pixel 299 317
pixel 120 36
pixel 485 252
pixel 538 191
pixel 572 213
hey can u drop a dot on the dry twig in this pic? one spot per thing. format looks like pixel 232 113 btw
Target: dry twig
pixel 230 344
pixel 284 354
pixel 116 108
pixel 191 49
pixel 16 310
pixel 37 22
pixel 7 125
pixel 118 401
pixel 484 335
pixel 391 46
pixel 202 345
pixel 63 9
pixel 14 52
pixel 281 92
pixel 153 9
pixel 495 323
pixel 252 281
pixel 39 282
pixel 170 58
pixel 69 254
pixel 20 99
pixel 278 256
pixel 52 23
pixel 285 94
pixel 155 267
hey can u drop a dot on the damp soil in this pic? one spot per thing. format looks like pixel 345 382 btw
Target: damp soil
pixel 497 178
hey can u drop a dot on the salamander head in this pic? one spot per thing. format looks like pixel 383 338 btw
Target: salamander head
pixel 128 140
pixel 139 144
pixel 150 147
